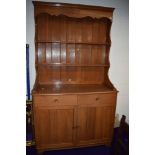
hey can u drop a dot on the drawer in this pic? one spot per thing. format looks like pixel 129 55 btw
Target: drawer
pixel 53 100
pixel 108 99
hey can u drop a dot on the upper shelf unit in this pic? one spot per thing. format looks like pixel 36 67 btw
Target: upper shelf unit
pixel 72 54
pixel 65 29
pixel 72 44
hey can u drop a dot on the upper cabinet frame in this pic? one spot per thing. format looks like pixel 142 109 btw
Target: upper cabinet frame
pixel 72 10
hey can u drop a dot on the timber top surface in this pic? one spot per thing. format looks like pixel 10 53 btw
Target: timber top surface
pixel 71 89
pixel 72 5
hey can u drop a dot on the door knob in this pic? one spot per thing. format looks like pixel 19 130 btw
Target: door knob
pixel 56 100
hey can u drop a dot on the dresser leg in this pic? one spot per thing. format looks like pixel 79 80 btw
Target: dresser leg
pixel 108 144
pixel 40 151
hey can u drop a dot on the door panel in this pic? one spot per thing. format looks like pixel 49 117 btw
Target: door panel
pixel 95 124
pixel 54 126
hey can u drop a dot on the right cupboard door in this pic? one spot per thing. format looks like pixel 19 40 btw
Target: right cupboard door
pixel 95 124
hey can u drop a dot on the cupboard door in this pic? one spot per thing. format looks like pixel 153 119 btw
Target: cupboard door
pixel 54 126
pixel 95 124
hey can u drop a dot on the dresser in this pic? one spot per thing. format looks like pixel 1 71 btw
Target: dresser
pixel 74 100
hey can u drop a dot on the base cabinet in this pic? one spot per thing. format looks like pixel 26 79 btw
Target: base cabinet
pixel 67 121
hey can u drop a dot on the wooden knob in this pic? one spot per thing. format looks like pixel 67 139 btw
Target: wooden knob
pixel 55 100
pixel 97 98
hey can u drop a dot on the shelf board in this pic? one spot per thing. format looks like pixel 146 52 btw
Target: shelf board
pixel 64 42
pixel 71 89
pixel 71 65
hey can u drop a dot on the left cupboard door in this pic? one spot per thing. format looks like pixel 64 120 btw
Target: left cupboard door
pixel 54 126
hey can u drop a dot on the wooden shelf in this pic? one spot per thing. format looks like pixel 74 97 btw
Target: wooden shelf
pixel 71 65
pixel 71 89
pixel 64 42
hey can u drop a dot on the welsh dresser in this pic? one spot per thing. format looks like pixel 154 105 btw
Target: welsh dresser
pixel 73 99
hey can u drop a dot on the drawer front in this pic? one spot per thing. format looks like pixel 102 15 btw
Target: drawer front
pixel 107 99
pixel 54 100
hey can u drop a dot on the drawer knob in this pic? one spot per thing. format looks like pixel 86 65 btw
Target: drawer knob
pixel 56 100
pixel 97 98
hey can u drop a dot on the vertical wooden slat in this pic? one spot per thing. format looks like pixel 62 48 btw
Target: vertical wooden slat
pixel 48 74
pixel 52 125
pixel 101 54
pixel 48 53
pixel 78 48
pixel 78 31
pixel 87 75
pixel 99 122
pixel 44 53
pixel 107 50
pixel 71 30
pixel 54 74
pixel 56 29
pixel 94 55
pixel 95 31
pixel 70 55
pixel 102 31
pixel 41 52
pixel 86 30
pixel 43 126
pixel 85 54
pixel 70 75
pixel 55 52
pixel 75 123
pixel 43 27
pixel 50 28
pixel 63 29
pixel 63 53
pixel 98 54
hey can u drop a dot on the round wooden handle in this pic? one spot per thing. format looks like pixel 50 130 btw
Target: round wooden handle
pixel 97 98
pixel 56 100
